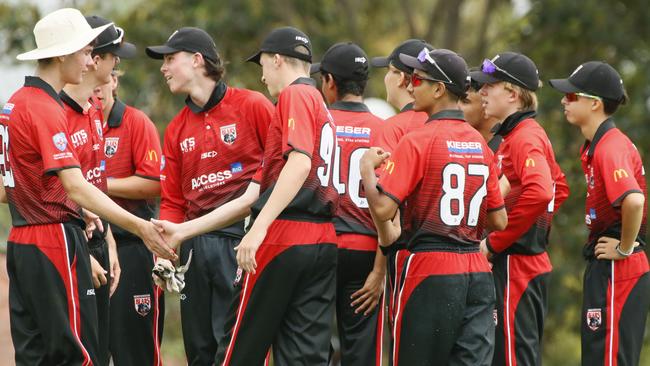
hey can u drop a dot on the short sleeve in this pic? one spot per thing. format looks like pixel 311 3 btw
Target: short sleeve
pixel 53 143
pixel 296 112
pixel 494 198
pixel 147 152
pixel 617 171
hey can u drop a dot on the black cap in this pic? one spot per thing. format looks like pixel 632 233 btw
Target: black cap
pixel 512 67
pixel 473 83
pixel 411 47
pixel 188 39
pixel 451 70
pixel 344 60
pixel 595 78
pixel 287 41
pixel 111 40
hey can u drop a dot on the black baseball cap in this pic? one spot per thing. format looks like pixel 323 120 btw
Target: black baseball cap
pixel 188 39
pixel 512 67
pixel 344 60
pixel 287 41
pixel 443 65
pixel 595 78
pixel 473 83
pixel 111 40
pixel 411 47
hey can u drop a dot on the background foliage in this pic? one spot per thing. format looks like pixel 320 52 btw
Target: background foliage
pixel 558 35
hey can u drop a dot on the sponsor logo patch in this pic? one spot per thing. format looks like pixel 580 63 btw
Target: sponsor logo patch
pixel 620 174
pixel 229 133
pixel 594 319
pixel 142 304
pixel 188 145
pixel 110 146
pixel 60 141
pixel 236 167
pixel 465 147
pixel 8 107
pixel 353 132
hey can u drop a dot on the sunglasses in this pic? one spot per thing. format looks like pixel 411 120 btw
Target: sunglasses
pixel 573 97
pixel 118 40
pixel 489 67
pixel 416 80
pixel 424 56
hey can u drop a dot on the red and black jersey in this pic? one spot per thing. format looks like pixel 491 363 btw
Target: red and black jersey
pixel 526 158
pixel 211 153
pixel 399 125
pixel 303 124
pixel 356 130
pixel 613 169
pixel 85 128
pixel 131 147
pixel 35 145
pixel 446 175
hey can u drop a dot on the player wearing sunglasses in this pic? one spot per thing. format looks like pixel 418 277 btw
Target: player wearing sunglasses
pixel 521 265
pixel 616 283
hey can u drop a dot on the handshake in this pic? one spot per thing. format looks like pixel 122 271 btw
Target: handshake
pixel 169 277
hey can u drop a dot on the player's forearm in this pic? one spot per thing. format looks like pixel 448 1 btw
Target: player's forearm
pixel 133 187
pixel 380 263
pixel 3 192
pixel 292 177
pixel 632 215
pixel 497 220
pixel 381 207
pixel 224 215
pixel 110 239
pixel 94 200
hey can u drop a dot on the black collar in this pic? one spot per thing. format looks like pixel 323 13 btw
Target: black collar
pixel 607 125
pixel 216 97
pixel 511 122
pixel 116 115
pixel 36 82
pixel 495 142
pixel 71 102
pixel 306 81
pixel 349 106
pixel 407 107
pixel 447 114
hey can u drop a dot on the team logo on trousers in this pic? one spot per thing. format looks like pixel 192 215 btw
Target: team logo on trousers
pixel 142 304
pixel 495 317
pixel 229 133
pixel 238 276
pixel 110 146
pixel 594 319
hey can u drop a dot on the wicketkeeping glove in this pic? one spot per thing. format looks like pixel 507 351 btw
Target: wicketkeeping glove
pixel 168 277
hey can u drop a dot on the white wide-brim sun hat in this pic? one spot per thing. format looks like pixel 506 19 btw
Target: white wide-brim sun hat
pixel 60 33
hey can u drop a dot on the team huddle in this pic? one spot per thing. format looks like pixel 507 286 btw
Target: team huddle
pixel 428 229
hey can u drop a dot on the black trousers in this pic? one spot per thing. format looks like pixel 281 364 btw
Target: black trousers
pixel 137 308
pixel 616 300
pixel 52 308
pixel 208 294
pixel 98 248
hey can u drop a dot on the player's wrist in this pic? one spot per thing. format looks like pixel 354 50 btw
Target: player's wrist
pixel 624 253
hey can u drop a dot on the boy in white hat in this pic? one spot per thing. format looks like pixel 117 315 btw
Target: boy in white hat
pixel 51 296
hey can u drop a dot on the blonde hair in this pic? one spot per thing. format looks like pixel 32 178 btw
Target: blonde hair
pixel 527 98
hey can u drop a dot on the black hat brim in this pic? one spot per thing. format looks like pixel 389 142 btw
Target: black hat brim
pixel 411 61
pixel 379 62
pixel 255 58
pixel 314 68
pixel 563 85
pixel 125 50
pixel 483 78
pixel 159 52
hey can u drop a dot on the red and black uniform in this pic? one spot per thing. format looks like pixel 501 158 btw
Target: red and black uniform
pixel 394 129
pixel 210 155
pixel 85 128
pixel 445 174
pixel 131 147
pixel 521 264
pixel 51 296
pixel 289 302
pixel 357 129
pixel 616 295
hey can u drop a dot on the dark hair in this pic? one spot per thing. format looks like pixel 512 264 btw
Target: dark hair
pixel 214 69
pixel 45 61
pixel 611 106
pixel 346 87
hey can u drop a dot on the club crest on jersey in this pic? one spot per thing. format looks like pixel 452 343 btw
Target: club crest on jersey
pixel 60 141
pixel 8 107
pixel 110 146
pixel 594 319
pixel 142 304
pixel 229 133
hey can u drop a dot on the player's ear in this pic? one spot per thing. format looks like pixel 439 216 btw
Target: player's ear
pixel 404 79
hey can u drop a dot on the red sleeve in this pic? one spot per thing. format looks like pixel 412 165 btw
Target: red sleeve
pixel 494 198
pixel 146 149
pixel 390 136
pixel 260 114
pixel 530 163
pixel 402 172
pixel 172 201
pixel 51 140
pixel 561 190
pixel 617 171
pixel 296 112
pixel 257 177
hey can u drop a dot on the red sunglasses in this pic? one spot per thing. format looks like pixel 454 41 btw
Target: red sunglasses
pixel 417 80
pixel 573 97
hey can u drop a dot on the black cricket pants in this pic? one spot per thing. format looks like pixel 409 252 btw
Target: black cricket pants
pixel 98 248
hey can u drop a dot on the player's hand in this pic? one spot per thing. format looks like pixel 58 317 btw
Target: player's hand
pixel 98 273
pixel 374 157
pixel 171 232
pixel 367 297
pixel 115 270
pixel 247 249
pixel 606 248
pixel 154 241
pixel 92 222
